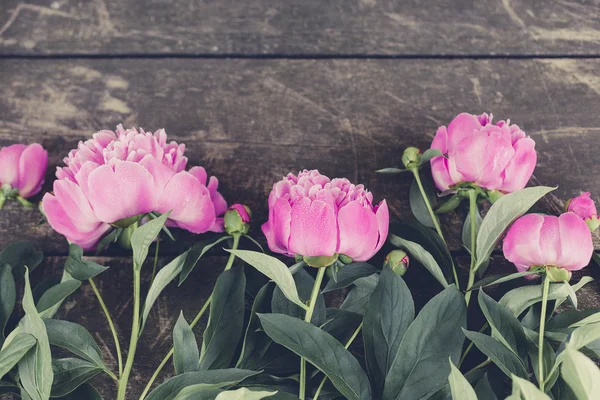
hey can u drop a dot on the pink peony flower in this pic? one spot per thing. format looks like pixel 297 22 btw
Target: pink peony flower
pixel 123 174
pixel 584 206
pixel 312 215
pixel 23 168
pixel 495 157
pixel 538 240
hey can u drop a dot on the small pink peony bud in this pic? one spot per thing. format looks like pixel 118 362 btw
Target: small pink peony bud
pixel 22 170
pixel 398 261
pixel 585 208
pixel 237 219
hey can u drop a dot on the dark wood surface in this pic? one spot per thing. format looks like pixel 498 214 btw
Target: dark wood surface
pixel 257 89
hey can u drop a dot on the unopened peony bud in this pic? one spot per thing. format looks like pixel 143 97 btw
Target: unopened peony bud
pixel 585 208
pixel 398 261
pixel 237 219
pixel 411 157
pixel 556 274
pixel 22 170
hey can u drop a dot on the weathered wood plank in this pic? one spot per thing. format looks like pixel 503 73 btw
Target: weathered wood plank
pixel 250 122
pixel 304 27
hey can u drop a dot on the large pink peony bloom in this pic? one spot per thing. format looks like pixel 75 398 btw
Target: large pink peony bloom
pixel 122 174
pixel 494 156
pixel 311 215
pixel 23 168
pixel 537 240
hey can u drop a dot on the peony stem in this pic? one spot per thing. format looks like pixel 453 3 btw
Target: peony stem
pixel 135 330
pixel 434 218
pixel 545 288
pixel 2 200
pixel 473 210
pixel 236 242
pixel 348 343
pixel 307 317
pixel 24 202
pixel 110 324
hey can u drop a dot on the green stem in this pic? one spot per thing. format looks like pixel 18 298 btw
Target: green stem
pixel 155 261
pixel 24 202
pixel 2 200
pixel 483 364
pixel 470 346
pixel 348 343
pixel 307 317
pixel 236 241
pixel 434 218
pixel 110 324
pixel 473 210
pixel 546 287
pixel 135 329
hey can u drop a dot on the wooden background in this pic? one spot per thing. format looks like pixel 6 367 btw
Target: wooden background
pixel 259 88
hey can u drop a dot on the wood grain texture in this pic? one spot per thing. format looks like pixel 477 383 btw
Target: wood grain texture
pixel 301 27
pixel 250 122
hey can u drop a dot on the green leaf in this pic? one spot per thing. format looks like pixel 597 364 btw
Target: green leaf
pixel 420 367
pixel 322 350
pixel 200 391
pixel 460 386
pixel 83 392
pixel 417 204
pixel 195 254
pixel 421 255
pixel 498 279
pixel 161 280
pixel 14 351
pixel 245 394
pixel 501 355
pixel 225 322
pixel 80 269
pixel 519 299
pixel 186 356
pixel 525 390
pixel 8 297
pixel 273 269
pixel 503 213
pixel 549 357
pixel 357 299
pixel 74 338
pixel 70 373
pixel 143 237
pixel 466 230
pixel 505 326
pixel 223 377
pixel 349 274
pixel 35 368
pixel 429 239
pixel 581 374
pixel 20 255
pixel 484 390
pixel 391 171
pixel 341 324
pixel 56 295
pixel 252 338
pixel 428 155
pixel 592 319
pixel 389 314
pixel 304 284
pixel 106 241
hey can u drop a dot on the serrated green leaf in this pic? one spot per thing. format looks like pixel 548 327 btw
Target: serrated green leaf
pixel 503 213
pixel 322 350
pixel 273 269
pixel 186 356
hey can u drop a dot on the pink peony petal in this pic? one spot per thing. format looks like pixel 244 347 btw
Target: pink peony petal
pixel 159 171
pixel 218 201
pixel 32 168
pixel 9 164
pixel 277 228
pixel 359 231
pixel 69 213
pixel 313 230
pixel 575 241
pixel 190 202
pixel 124 192
pixel 521 245
pixel 462 126
pixel 200 174
pixel 383 221
pixel 550 243
pixel 521 166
